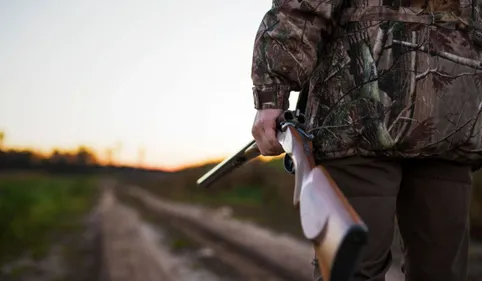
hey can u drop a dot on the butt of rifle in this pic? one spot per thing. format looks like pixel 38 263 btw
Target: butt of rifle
pixel 338 262
pixel 330 222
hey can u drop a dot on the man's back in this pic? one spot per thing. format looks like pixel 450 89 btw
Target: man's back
pixel 404 85
pixel 385 79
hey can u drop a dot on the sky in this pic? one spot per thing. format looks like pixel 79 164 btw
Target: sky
pixel 172 78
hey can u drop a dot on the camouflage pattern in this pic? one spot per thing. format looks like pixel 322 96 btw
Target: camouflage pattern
pixel 395 78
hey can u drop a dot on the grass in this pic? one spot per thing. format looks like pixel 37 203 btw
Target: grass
pixel 36 209
pixel 261 192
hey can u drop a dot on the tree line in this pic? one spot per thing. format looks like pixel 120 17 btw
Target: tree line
pixel 79 160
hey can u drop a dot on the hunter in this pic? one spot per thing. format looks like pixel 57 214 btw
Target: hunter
pixel 394 102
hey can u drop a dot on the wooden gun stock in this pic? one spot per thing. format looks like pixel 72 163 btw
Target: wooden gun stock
pixel 328 220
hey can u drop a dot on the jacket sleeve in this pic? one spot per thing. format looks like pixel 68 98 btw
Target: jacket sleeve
pixel 285 49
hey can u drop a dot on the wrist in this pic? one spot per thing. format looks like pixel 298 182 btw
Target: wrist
pixel 271 97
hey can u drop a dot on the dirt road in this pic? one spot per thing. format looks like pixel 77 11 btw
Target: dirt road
pixel 276 256
pixel 229 249
pixel 127 254
pixel 134 250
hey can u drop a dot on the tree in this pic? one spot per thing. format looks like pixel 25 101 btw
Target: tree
pixel 112 153
pixel 117 149
pixel 85 157
pixel 108 155
pixel 2 139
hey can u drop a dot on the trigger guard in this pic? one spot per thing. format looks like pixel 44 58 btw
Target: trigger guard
pixel 288 164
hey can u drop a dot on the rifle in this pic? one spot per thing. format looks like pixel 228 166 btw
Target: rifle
pixel 327 219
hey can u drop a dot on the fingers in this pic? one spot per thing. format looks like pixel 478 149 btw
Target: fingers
pixel 264 133
pixel 272 144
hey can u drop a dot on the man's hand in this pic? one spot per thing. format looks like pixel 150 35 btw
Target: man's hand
pixel 264 132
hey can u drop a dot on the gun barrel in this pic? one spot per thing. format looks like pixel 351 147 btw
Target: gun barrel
pixel 247 153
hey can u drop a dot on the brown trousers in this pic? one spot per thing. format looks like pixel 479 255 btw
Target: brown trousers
pixel 430 200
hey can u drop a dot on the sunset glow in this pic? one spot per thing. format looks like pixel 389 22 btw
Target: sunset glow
pixel 161 83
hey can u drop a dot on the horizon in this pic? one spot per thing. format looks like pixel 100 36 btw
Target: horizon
pixel 104 161
pixel 171 79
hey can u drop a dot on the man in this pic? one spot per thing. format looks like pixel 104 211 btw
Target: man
pixel 394 103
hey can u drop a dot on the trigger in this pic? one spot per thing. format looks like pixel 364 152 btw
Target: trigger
pixel 289 164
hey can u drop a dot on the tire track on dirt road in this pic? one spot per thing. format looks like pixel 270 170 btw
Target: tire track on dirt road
pixel 126 254
pixel 131 250
pixel 287 258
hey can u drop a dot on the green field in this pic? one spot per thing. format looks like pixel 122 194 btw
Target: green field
pixel 37 209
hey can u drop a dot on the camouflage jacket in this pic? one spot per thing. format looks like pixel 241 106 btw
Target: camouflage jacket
pixel 383 79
